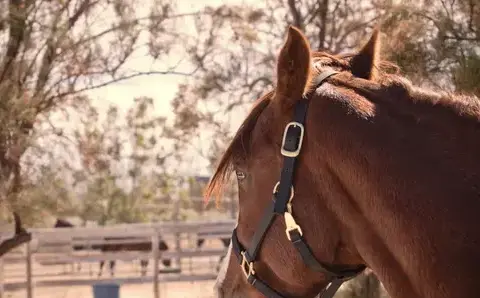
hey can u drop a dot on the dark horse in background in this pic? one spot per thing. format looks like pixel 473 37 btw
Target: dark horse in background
pixel 133 245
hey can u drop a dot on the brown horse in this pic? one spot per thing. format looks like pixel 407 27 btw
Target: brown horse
pixel 387 177
pixel 134 244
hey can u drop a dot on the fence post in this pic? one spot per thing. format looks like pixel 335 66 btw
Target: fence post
pixel 233 211
pixel 155 255
pixel 176 213
pixel 2 279
pixel 233 201
pixel 29 270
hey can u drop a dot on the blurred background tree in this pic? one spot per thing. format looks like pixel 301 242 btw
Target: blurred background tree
pixel 51 52
pixel 123 178
pixel 435 42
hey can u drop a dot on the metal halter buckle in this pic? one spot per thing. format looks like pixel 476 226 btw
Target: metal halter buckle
pixel 247 267
pixel 296 152
pixel 291 225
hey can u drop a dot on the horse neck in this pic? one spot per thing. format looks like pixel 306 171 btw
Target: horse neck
pixel 409 195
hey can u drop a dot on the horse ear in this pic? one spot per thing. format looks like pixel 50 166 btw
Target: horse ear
pixel 364 63
pixel 293 68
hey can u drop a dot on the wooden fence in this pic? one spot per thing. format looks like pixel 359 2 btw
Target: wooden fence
pixel 55 247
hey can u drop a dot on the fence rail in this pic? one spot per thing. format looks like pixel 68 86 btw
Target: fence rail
pixel 51 247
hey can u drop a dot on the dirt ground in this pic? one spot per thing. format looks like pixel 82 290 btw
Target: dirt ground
pixel 168 290
pixel 200 289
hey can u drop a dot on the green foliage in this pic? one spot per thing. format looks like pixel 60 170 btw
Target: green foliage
pixel 121 175
pixel 38 199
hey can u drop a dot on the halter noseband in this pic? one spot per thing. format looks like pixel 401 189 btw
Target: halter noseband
pixel 283 193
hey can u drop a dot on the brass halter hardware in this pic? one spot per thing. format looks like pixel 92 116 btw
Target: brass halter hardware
pixel 300 141
pixel 247 267
pixel 290 222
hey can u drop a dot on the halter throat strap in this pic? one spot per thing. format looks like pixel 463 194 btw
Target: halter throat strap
pixel 283 194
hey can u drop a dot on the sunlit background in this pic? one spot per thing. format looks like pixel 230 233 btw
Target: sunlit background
pixel 116 111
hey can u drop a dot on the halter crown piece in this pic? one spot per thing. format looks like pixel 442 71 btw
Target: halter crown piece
pixel 283 194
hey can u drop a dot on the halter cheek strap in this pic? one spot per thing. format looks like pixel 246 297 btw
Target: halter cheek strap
pixel 283 194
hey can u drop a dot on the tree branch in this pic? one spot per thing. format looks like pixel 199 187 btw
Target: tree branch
pixel 461 38
pixel 49 56
pixel 21 236
pixel 297 18
pixel 323 27
pixel 17 19
pixel 116 80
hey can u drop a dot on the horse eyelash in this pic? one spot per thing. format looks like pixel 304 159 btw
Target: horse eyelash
pixel 240 175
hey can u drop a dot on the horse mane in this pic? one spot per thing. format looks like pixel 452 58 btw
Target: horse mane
pixel 388 84
pixel 242 137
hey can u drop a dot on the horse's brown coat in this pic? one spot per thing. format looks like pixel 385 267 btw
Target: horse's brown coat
pixel 388 176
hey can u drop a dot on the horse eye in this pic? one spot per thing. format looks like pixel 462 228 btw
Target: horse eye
pixel 240 175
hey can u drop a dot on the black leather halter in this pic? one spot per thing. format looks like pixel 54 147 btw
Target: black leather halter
pixel 283 193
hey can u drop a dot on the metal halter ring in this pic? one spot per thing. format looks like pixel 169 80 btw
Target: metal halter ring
pixel 247 267
pixel 292 191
